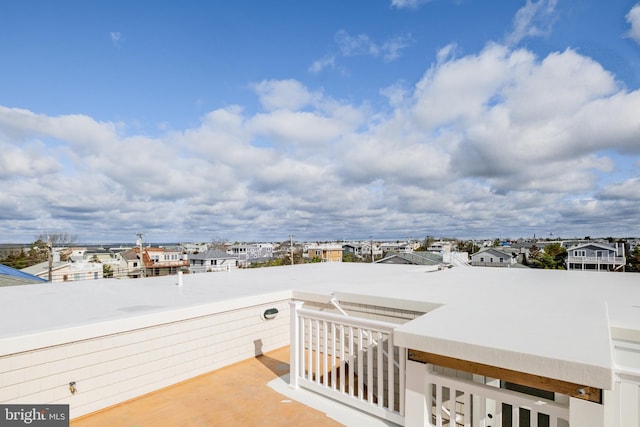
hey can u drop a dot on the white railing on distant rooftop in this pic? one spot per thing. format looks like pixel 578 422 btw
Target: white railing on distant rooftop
pixel 349 359
pixel 597 259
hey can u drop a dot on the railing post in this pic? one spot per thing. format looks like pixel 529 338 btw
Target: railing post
pixel 294 346
pixel 586 414
pixel 416 407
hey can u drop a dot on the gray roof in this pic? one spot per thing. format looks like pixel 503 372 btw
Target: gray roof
pixel 212 254
pixel 494 252
pixel 416 258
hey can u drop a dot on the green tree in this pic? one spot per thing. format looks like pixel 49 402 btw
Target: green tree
pixel 553 257
pixel 633 260
pixel 107 271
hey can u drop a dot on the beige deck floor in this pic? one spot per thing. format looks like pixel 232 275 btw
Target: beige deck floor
pixel 237 395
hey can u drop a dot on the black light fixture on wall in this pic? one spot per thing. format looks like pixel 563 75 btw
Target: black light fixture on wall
pixel 269 314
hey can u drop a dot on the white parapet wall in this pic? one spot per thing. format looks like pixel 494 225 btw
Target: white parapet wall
pixel 113 363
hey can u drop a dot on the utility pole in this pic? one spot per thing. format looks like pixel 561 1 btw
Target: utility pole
pixel 50 249
pixel 371 249
pixel 291 246
pixel 141 260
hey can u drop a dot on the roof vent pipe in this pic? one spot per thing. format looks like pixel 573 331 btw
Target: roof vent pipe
pixel 180 282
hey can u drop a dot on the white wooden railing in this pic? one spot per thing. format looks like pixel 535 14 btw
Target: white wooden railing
pixel 349 359
pixel 597 259
pixel 458 402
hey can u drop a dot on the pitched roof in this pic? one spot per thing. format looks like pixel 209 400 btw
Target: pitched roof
pixel 416 258
pixel 493 251
pixel 212 254
pixel 12 277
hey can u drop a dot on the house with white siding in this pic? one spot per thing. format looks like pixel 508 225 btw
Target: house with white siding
pixel 596 256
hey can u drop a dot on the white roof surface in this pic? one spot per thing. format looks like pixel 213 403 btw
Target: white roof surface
pixel 552 323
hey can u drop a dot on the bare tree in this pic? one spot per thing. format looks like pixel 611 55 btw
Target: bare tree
pixel 52 240
pixel 218 242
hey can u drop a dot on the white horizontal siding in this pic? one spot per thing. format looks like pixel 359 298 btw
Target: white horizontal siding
pixel 117 367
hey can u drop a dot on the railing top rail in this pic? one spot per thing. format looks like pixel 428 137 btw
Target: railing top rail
pixel 542 405
pixel 377 325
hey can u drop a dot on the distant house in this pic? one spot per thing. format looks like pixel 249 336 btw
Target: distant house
pixel 398 247
pixel 211 260
pixel 12 277
pixel 63 271
pixel 492 257
pixel 596 256
pixel 325 252
pixel 356 249
pixel 252 251
pixel 156 261
pixel 362 249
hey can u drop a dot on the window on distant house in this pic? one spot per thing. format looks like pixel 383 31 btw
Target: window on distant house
pixel 481 259
pixel 501 259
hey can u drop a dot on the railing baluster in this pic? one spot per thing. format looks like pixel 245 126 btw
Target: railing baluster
pixel 391 390
pixel 439 391
pixel 452 406
pixel 360 365
pixel 402 355
pixel 467 410
pixel 370 381
pixel 380 386
pixel 333 356
pixel 301 370
pixel 325 348
pixel 351 361
pixel 317 342
pixel 534 418
pixel 310 351
pixel 343 372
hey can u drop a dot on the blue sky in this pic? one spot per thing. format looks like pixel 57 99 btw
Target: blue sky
pixel 329 120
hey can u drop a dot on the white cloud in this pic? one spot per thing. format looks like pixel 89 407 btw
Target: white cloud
pixel 116 38
pixel 626 190
pixel 283 94
pixel 534 19
pixel 633 18
pixel 320 64
pixel 391 48
pixel 355 45
pixel 494 142
pixel 407 4
pixel 361 45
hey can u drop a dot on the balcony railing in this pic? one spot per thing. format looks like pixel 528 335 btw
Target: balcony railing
pixel 348 359
pixel 617 260
pixel 458 402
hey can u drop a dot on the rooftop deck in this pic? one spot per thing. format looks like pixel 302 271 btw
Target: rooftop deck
pixel 237 395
